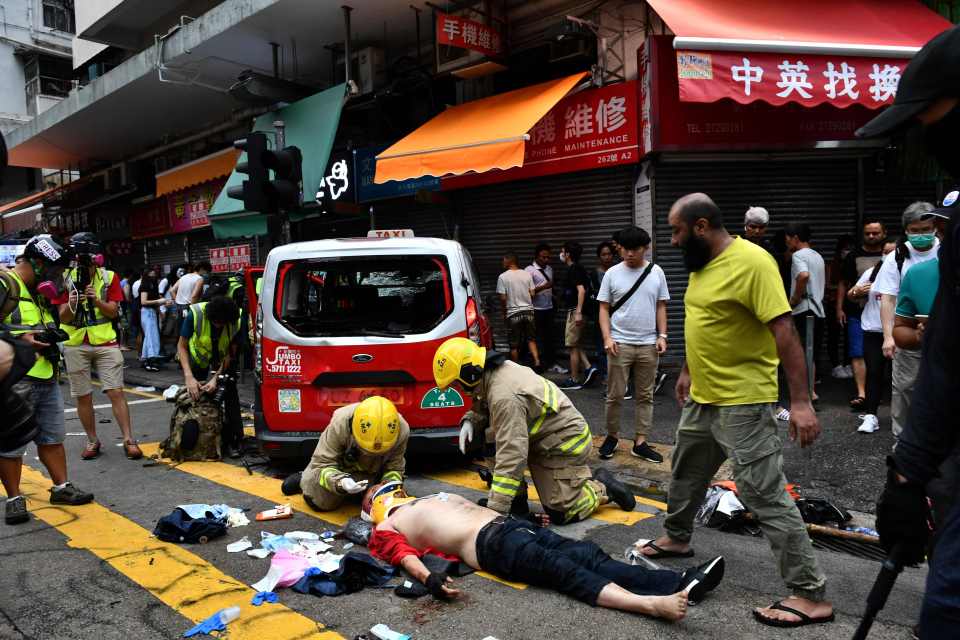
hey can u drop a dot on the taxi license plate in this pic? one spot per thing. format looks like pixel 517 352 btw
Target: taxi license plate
pixel 342 396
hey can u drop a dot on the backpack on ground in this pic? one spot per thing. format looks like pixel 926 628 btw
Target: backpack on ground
pixel 195 428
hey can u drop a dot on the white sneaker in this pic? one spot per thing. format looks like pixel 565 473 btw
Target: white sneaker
pixel 870 424
pixel 848 369
pixel 558 369
pixel 840 372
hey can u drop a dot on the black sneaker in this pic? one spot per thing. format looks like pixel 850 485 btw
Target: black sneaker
pixel 69 494
pixel 16 512
pixel 570 385
pixel 646 452
pixel 628 395
pixel 589 376
pixel 609 445
pixel 700 580
pixel 616 490
pixel 291 484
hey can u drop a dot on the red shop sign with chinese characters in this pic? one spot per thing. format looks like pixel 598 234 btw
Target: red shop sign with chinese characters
pixel 668 124
pixel 189 208
pixel 149 220
pixel 587 130
pixel 233 258
pixel 779 78
pixel 460 32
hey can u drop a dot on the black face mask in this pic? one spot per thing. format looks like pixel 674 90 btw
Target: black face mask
pixel 941 139
pixel 696 253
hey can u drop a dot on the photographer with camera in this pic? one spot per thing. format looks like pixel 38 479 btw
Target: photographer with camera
pixel 207 350
pixel 87 316
pixel 38 274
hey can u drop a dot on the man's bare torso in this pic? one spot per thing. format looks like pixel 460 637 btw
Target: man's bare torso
pixel 447 522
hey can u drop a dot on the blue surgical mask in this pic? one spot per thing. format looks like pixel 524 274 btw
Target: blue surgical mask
pixel 921 241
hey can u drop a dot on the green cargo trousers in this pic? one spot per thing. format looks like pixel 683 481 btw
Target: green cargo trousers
pixel 747 434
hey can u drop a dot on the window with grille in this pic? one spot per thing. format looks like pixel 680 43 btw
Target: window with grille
pixel 58 14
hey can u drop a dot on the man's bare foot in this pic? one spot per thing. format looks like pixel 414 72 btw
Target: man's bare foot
pixel 815 612
pixel 670 608
pixel 656 548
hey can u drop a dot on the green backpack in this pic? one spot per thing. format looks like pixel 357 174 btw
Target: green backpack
pixel 194 429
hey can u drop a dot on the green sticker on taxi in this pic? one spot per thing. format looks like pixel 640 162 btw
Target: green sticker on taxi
pixel 436 399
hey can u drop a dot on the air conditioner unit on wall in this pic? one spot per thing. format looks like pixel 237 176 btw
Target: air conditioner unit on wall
pixel 369 69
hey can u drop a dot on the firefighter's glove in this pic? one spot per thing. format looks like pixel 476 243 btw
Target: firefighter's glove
pixel 903 518
pixel 349 485
pixel 466 436
pixel 435 582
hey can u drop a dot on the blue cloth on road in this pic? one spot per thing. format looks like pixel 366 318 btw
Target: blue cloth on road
pixel 217 511
pixel 178 526
pixel 356 571
pixel 264 596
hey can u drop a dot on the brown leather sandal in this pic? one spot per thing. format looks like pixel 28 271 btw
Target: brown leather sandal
pixel 132 450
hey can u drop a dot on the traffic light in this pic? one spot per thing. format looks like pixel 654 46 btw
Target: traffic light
pixel 285 188
pixel 253 191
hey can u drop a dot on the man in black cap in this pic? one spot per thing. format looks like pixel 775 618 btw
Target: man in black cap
pixel 929 94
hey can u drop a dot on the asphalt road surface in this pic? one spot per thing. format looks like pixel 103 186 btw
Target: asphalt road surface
pixel 97 572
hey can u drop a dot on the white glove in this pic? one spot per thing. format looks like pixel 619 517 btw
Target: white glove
pixel 350 485
pixel 466 435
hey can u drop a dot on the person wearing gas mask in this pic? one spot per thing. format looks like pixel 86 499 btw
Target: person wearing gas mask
pixel 929 96
pixel 92 303
pixel 31 284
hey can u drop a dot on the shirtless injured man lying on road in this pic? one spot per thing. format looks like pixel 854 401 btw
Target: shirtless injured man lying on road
pixel 519 549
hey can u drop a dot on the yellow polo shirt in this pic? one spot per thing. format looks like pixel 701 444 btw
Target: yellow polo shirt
pixel 731 353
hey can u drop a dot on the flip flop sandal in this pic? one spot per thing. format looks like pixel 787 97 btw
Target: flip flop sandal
pixel 858 402
pixel 665 553
pixel 783 415
pixel 804 620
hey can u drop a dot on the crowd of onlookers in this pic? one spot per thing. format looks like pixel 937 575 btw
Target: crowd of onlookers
pixel 863 312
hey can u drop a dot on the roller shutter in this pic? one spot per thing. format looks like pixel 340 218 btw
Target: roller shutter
pixel 820 192
pixel 513 216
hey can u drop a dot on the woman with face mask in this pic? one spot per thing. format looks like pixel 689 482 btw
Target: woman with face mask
pixel 150 303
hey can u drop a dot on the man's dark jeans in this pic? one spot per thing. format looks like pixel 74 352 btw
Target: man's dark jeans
pixel 544 321
pixel 518 550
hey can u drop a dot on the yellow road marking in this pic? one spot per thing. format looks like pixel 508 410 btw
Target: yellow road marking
pixel 181 580
pixel 607 513
pixel 269 489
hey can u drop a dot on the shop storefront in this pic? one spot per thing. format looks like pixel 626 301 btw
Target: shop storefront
pixel 765 114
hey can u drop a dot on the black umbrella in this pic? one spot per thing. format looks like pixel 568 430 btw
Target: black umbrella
pixel 882 586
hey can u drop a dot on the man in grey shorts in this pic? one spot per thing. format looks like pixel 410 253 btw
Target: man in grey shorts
pixel 516 287
pixel 44 259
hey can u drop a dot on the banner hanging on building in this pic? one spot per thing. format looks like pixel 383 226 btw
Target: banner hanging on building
pixel 456 31
pixel 226 259
pixel 150 219
pixel 591 129
pixel 189 208
pixel 779 78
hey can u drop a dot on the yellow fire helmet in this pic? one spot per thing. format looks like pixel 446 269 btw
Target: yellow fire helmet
pixel 458 360
pixel 382 500
pixel 376 425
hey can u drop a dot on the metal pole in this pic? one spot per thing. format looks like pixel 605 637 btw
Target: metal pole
pixel 346 42
pixel 281 142
pixel 276 59
pixel 417 11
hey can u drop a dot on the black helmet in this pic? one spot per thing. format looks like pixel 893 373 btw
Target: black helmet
pixel 85 243
pixel 48 248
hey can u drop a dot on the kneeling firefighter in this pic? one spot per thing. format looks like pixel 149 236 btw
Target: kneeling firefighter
pixel 534 425
pixel 365 443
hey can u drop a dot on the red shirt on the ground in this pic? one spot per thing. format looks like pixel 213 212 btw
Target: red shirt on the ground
pixel 392 547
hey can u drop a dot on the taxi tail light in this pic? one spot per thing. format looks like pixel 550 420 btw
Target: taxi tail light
pixel 473 320
pixel 258 344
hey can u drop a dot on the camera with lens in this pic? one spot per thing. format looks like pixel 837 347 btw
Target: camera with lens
pixel 224 380
pixel 52 336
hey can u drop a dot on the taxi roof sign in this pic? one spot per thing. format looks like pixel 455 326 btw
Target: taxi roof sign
pixel 390 233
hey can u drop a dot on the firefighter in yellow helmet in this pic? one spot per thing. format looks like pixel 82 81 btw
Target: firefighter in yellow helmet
pixel 534 425
pixel 364 443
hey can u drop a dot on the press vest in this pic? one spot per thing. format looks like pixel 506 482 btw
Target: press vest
pixel 28 316
pixel 98 329
pixel 201 342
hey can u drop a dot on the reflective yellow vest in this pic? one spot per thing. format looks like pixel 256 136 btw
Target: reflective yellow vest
pixel 201 342
pixel 99 329
pixel 28 316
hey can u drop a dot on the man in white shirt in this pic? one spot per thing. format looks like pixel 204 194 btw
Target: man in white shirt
pixel 633 319
pixel 921 244
pixel 516 287
pixel 183 288
pixel 543 311
pixel 807 283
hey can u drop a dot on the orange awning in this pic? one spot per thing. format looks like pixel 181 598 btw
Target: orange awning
pixel 23 203
pixel 474 137
pixel 201 170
